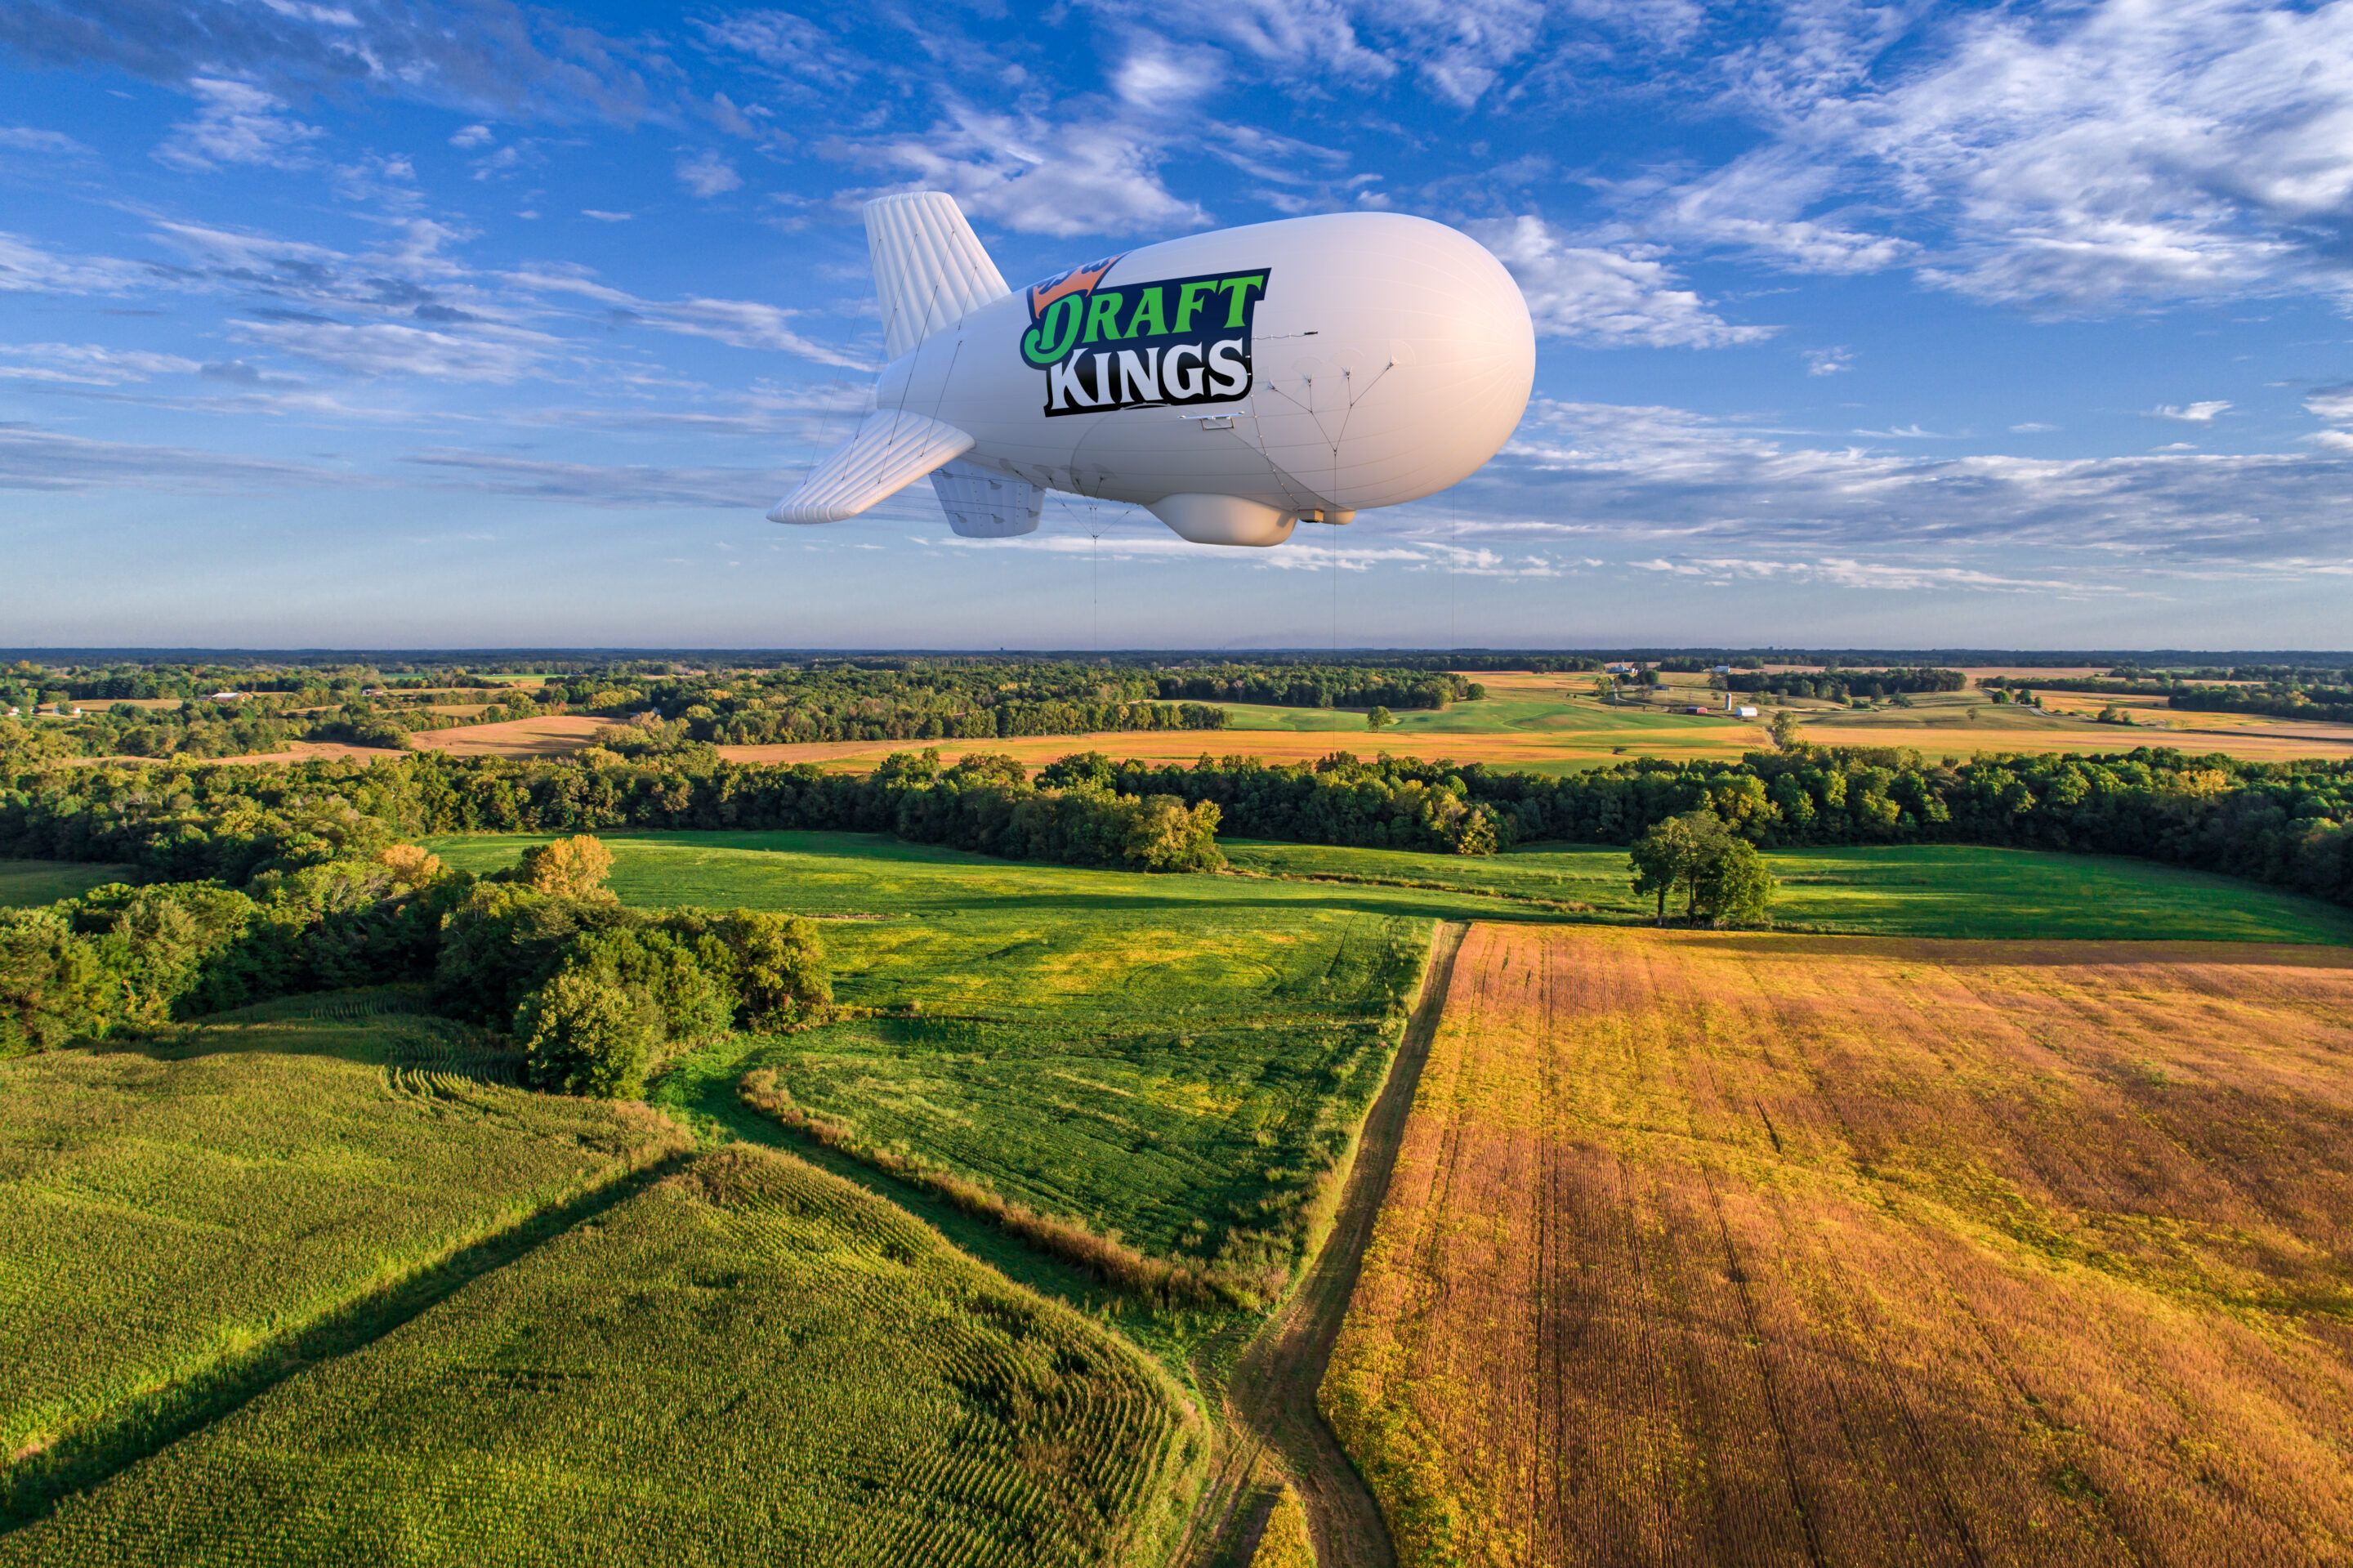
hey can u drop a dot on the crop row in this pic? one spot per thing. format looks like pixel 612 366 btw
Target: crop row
pixel 749 1362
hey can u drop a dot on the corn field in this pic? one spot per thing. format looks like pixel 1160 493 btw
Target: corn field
pixel 750 1362
pixel 171 1208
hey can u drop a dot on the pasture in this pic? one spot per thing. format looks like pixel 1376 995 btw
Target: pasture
pixel 205 1198
pixel 1727 1247
pixel 1177 1060
pixel 1908 890
pixel 26 884
pixel 747 1362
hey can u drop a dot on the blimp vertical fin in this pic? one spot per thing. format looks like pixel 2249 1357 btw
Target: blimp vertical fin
pixel 929 268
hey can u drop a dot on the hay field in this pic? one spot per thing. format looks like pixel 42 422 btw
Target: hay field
pixel 200 1198
pixel 748 1362
pixel 1714 1248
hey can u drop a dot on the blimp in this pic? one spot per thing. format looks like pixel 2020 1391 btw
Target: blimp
pixel 1234 383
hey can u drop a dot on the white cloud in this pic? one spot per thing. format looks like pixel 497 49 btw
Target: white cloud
pixel 471 136
pixel 1460 49
pixel 1096 176
pixel 2031 428
pixel 88 364
pixel 2191 413
pixel 625 485
pixel 1846 572
pixel 708 175
pixel 2078 156
pixel 1828 361
pixel 395 348
pixel 26 269
pixel 50 144
pixel 1607 471
pixel 740 323
pixel 601 216
pixel 1156 79
pixel 236 123
pixel 1603 296
pixel 2333 404
pixel 40 460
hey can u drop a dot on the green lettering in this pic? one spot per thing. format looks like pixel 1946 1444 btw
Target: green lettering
pixel 1238 292
pixel 1147 321
pixel 1189 303
pixel 1102 316
pixel 1054 336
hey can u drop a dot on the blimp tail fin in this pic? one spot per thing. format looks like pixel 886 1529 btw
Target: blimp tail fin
pixel 891 450
pixel 929 268
pixel 985 505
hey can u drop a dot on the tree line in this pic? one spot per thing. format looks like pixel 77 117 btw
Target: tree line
pixel 1321 686
pixel 2279 822
pixel 2288 823
pixel 590 995
pixel 232 822
pixel 1846 685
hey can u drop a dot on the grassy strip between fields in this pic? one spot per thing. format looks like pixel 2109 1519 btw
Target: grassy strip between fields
pixel 1114 1263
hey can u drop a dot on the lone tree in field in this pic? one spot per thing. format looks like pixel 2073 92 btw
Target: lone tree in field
pixel 1721 875
pixel 1784 730
pixel 575 867
pixel 1379 718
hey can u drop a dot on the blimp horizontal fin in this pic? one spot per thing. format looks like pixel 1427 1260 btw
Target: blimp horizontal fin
pixel 891 450
pixel 982 503
pixel 930 269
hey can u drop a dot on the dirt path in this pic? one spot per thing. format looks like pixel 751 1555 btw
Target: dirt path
pixel 1271 1398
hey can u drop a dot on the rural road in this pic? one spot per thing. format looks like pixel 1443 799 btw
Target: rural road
pixel 1271 1398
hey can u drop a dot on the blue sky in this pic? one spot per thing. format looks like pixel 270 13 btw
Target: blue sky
pixel 474 323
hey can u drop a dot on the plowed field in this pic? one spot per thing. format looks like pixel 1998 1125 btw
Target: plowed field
pixel 1736 1249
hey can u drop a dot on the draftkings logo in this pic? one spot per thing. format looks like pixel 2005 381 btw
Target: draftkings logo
pixel 1141 346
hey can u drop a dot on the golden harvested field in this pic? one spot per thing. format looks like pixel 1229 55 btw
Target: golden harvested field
pixel 1724 1248
pixel 2191 728
pixel 551 736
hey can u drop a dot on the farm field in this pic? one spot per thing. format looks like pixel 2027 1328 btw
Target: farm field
pixel 1911 890
pixel 555 734
pixel 1549 723
pixel 1176 1061
pixel 747 1361
pixel 1748 1248
pixel 24 883
pixel 203 1198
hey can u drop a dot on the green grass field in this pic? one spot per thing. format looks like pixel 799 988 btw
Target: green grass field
pixel 173 1210
pixel 748 1362
pixel 1176 1060
pixel 1940 890
pixel 27 883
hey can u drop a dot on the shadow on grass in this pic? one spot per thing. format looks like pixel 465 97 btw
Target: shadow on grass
pixel 33 1487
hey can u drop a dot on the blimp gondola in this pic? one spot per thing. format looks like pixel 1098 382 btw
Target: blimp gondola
pixel 1234 383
